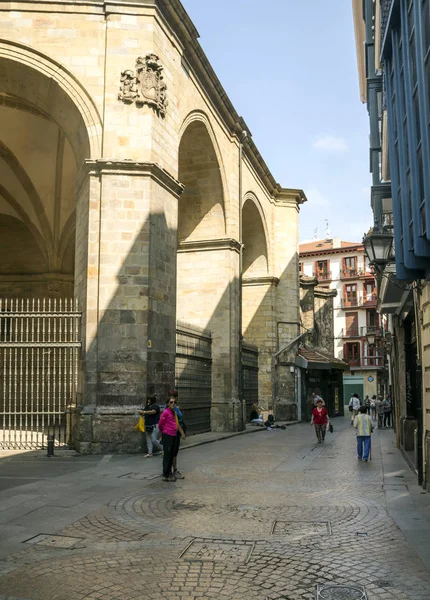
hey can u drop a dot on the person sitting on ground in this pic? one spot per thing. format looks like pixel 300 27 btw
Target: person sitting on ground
pixel 255 416
pixel 364 426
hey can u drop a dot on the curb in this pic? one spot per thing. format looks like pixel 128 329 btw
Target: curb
pixel 232 435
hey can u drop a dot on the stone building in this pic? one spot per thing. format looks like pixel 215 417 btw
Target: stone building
pixel 130 182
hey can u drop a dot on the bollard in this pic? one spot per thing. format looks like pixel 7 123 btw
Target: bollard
pixel 50 451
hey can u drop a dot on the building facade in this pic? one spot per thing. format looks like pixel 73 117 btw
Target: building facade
pixel 130 182
pixel 357 328
pixel 393 47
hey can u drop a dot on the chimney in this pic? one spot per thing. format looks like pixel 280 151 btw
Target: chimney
pixel 336 243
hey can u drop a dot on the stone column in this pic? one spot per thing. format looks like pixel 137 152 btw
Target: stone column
pixel 285 236
pixel 126 283
pixel 208 296
pixel 259 327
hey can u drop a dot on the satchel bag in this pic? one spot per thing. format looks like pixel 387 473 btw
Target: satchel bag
pixel 350 408
pixel 330 427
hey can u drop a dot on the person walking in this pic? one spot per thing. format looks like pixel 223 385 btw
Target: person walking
pixel 320 420
pixel 379 406
pixel 315 398
pixel 367 404
pixel 364 426
pixel 354 406
pixel 373 408
pixel 169 427
pixel 151 414
pixel 386 403
pixel 173 394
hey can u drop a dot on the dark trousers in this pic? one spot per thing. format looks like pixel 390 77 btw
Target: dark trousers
pixel 168 442
pixel 380 419
pixel 387 419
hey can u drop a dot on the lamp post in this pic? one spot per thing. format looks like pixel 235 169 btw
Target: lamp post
pixel 378 246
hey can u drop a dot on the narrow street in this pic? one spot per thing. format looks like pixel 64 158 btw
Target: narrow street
pixel 266 515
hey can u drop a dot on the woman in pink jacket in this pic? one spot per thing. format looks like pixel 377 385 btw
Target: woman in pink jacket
pixel 169 427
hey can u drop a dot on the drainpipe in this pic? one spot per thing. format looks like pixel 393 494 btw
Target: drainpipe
pixel 242 138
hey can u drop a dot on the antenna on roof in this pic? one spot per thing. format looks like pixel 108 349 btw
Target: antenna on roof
pixel 327 230
pixel 316 233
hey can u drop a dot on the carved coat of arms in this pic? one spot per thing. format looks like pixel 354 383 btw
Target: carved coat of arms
pixel 146 85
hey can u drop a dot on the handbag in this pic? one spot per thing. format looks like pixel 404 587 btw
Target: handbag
pixel 140 425
pixel 350 408
pixel 330 427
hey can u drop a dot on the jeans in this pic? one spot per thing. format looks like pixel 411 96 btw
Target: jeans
pixel 363 440
pixel 168 446
pixel 152 440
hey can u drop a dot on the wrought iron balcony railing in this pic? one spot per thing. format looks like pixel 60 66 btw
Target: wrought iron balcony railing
pixel 323 275
pixel 349 273
pixel 365 362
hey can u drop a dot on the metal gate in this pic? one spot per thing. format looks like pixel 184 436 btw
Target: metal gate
pixel 249 376
pixel 194 376
pixel 39 352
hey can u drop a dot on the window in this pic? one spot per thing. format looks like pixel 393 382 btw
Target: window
pixel 350 266
pixel 301 268
pixel 350 295
pixel 322 269
pixel 369 291
pixel 352 353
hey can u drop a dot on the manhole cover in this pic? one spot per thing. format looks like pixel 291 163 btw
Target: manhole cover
pixel 238 552
pixel 54 541
pixel 138 476
pixel 341 592
pixel 301 528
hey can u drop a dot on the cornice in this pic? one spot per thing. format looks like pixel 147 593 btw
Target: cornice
pixel 325 292
pixel 329 251
pixel 260 281
pixel 308 281
pixel 289 196
pixel 209 245
pixel 105 167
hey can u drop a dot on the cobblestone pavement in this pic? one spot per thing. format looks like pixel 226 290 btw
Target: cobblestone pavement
pixel 266 516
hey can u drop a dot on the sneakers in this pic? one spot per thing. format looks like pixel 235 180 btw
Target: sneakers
pixel 170 478
pixel 178 475
pixel 148 456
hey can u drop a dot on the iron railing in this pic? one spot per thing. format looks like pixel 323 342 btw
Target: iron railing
pixel 323 275
pixel 39 352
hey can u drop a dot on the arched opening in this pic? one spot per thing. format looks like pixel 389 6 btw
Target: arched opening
pixel 201 206
pixel 205 287
pixel 255 261
pixel 43 143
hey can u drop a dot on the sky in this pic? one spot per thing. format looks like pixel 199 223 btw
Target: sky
pixel 290 69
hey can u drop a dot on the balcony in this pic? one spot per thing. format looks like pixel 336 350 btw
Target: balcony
pixel 349 273
pixel 365 362
pixel 376 331
pixel 351 332
pixel 366 301
pixel 323 276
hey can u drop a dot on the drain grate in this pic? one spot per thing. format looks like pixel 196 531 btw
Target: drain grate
pixel 225 551
pixel 341 592
pixel 302 528
pixel 54 541
pixel 190 507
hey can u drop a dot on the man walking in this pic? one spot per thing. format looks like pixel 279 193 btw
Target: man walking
pixel 151 414
pixel 354 406
pixel 364 426
pixel 386 403
pixel 379 406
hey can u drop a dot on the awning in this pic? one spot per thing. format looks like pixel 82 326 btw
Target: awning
pixel 309 358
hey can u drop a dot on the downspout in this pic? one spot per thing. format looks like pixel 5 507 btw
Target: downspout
pixel 242 138
pixel 420 425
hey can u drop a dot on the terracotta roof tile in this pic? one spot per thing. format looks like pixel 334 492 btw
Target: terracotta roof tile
pixel 318 245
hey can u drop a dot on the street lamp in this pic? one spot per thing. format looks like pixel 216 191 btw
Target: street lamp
pixel 370 336
pixel 378 246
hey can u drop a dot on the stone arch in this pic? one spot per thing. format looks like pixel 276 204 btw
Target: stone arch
pixel 255 238
pixel 51 127
pixel 66 96
pixel 202 204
